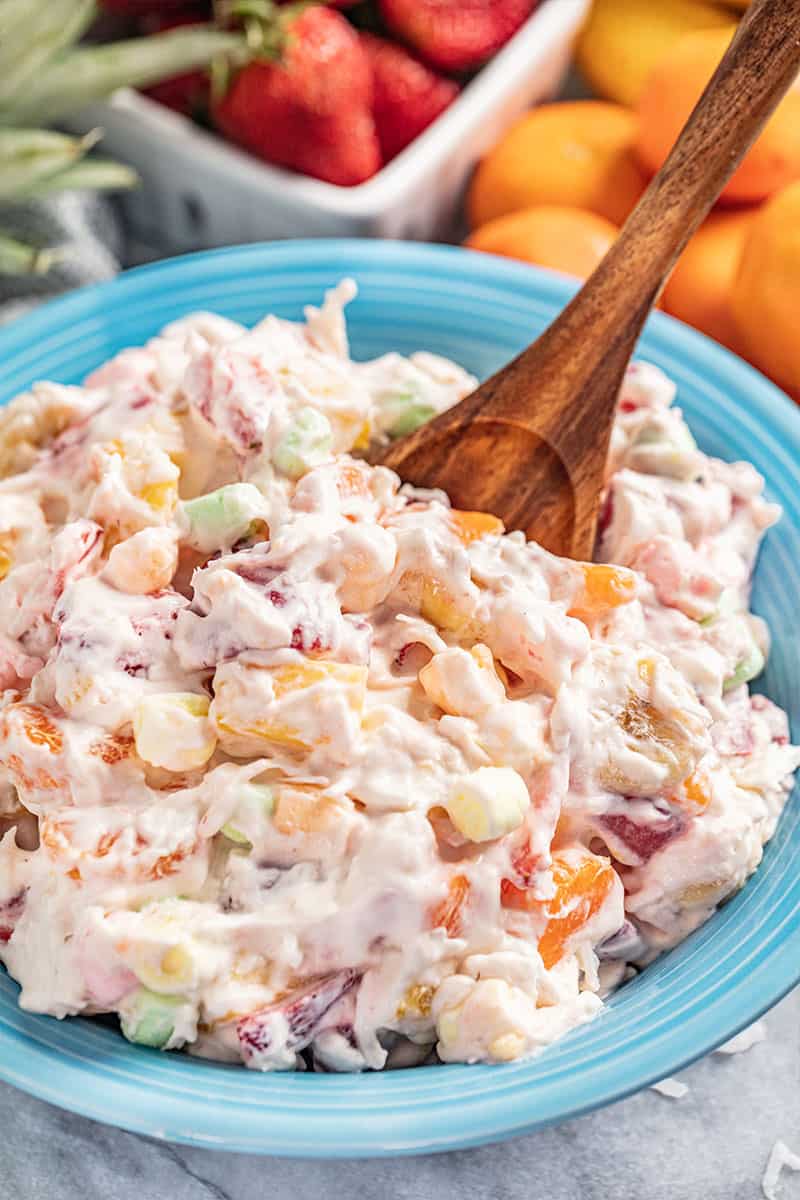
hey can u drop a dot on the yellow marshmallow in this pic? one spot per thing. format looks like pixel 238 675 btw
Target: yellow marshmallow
pixel 173 731
pixel 507 1047
pixel 170 971
pixel 488 803
pixel 463 683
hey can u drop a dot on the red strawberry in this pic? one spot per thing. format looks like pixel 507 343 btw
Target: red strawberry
pixel 186 93
pixel 311 110
pixel 407 96
pixel 456 35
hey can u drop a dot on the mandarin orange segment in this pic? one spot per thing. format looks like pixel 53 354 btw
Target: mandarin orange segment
pixel 305 810
pixel 604 587
pixel 39 728
pixel 520 899
pixel 581 891
pixel 448 914
pixel 352 481
pixel 696 789
pixel 469 526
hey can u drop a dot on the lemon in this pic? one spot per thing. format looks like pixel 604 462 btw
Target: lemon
pixel 622 40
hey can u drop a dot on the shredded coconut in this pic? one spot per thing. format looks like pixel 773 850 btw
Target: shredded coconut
pixel 673 1088
pixel 781 1156
pixel 755 1033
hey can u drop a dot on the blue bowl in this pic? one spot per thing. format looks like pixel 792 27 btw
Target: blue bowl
pixel 479 311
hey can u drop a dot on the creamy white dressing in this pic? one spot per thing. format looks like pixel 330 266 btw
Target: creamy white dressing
pixel 299 767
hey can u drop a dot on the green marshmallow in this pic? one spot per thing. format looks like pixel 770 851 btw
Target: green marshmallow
pixel 150 1019
pixel 256 802
pixel 410 417
pixel 223 517
pixel 676 448
pixel 749 667
pixel 235 835
pixel 306 444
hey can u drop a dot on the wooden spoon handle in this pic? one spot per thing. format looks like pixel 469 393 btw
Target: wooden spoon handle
pixel 532 442
pixel 598 330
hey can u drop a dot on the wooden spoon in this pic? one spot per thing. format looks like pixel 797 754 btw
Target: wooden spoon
pixel 531 443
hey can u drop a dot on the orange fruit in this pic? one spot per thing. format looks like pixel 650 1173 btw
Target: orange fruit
pixel 698 290
pixel 670 94
pixel 578 152
pixel 622 40
pixel 581 891
pixel 571 240
pixel 765 298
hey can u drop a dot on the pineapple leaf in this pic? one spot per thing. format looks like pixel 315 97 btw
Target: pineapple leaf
pixel 78 77
pixel 30 157
pixel 17 258
pixel 94 174
pixel 27 47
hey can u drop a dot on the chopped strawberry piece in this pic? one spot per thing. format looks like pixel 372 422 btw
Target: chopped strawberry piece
pixel 516 893
pixel 606 513
pixel 412 657
pixel 10 912
pixel 644 840
pixel 408 95
pixel 294 1019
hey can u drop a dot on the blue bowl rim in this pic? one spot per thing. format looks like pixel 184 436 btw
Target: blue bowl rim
pixel 71 1079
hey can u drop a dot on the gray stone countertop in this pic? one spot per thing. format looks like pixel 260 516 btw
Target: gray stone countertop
pixel 713 1144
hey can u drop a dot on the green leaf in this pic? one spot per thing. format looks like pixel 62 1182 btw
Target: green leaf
pixel 22 143
pixel 16 258
pixel 32 158
pixel 90 73
pixel 28 45
pixel 92 175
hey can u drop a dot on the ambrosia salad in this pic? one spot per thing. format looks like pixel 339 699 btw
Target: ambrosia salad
pixel 300 767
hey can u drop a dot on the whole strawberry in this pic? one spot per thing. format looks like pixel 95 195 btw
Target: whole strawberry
pixel 407 95
pixel 311 109
pixel 186 93
pixel 455 35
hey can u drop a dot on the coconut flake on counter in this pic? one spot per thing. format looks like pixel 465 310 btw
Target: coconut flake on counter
pixel 751 1036
pixel 673 1088
pixel 780 1156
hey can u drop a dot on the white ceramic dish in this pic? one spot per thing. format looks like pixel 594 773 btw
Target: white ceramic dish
pixel 199 191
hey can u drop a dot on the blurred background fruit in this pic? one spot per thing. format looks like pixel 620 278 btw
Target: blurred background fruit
pixel 455 35
pixel 622 40
pixel 407 96
pixel 570 240
pixel 578 153
pixel 558 184
pixel 765 297
pixel 673 88
pixel 699 289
